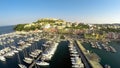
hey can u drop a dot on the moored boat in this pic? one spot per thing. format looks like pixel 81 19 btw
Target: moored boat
pixel 42 63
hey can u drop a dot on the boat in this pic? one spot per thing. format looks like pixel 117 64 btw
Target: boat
pixel 48 53
pixel 92 45
pixel 22 66
pixel 9 54
pixel 112 49
pixel 42 63
pixel 74 54
pixel 28 60
pixel 15 51
pixel 99 47
pixel 107 48
pixel 21 42
pixel 2 58
pixel 107 66
pixel 35 53
pixel 75 66
pixel 19 49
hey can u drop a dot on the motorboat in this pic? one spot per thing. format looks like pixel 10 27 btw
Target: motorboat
pixel 22 66
pixel 42 63
pixel 28 60
pixel 2 58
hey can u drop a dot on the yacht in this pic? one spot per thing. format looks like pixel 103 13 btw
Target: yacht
pixel 28 60
pixel 21 42
pixel 98 45
pixel 75 66
pixel 112 49
pixel 49 52
pixel 22 66
pixel 2 58
pixel 9 54
pixel 15 51
pixel 74 55
pixel 42 63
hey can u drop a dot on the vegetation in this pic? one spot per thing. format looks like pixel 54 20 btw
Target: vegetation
pixel 62 37
pixel 51 22
pixel 19 27
pixel 110 29
pixel 79 26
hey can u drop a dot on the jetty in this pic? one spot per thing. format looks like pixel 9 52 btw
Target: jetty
pixel 34 62
pixel 93 63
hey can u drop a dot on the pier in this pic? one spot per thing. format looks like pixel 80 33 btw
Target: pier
pixel 84 55
pixel 85 61
pixel 31 66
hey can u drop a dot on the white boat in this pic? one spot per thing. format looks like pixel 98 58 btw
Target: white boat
pixel 19 49
pixel 33 56
pixel 2 58
pixel 21 42
pixel 75 66
pixel 74 54
pixel 22 66
pixel 28 60
pixel 112 49
pixel 50 52
pixel 15 51
pixel 13 47
pixel 42 63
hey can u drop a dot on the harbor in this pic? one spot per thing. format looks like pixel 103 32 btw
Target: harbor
pixel 43 50
pixel 31 50
pixel 107 56
pixel 35 55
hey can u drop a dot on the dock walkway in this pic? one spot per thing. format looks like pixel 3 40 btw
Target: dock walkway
pixel 94 64
pixel 31 66
pixel 85 61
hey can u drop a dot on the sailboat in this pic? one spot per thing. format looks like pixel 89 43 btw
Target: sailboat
pixel 20 65
pixel 26 58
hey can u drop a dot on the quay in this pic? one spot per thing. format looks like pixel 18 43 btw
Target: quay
pixel 85 61
pixel 85 56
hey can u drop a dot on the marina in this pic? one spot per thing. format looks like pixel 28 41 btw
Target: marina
pixel 59 33
pixel 76 60
pixel 102 46
pixel 29 50
pixel 39 50
pixel 107 55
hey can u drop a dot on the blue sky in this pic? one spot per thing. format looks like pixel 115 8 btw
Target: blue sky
pixel 88 11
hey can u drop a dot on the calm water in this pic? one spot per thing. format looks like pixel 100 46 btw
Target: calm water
pixel 6 29
pixel 61 58
pixel 109 58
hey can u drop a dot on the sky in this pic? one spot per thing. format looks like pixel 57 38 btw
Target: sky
pixel 14 12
